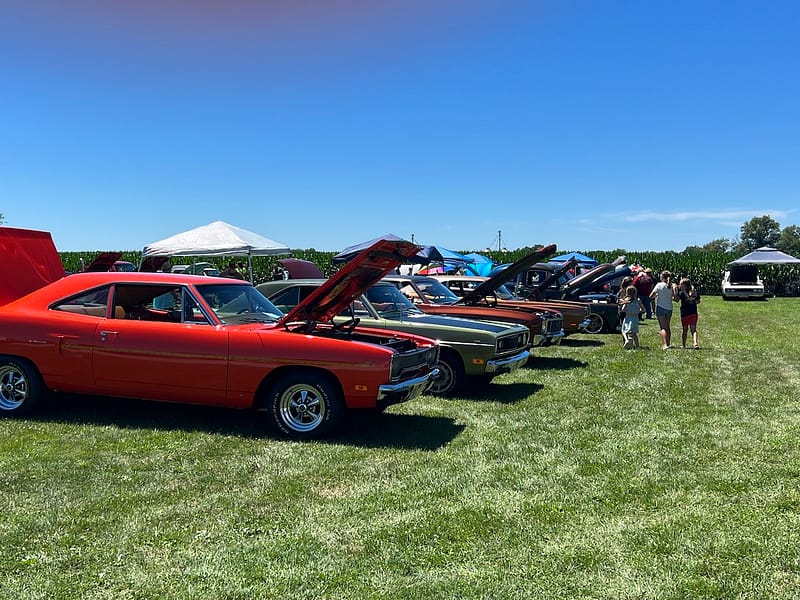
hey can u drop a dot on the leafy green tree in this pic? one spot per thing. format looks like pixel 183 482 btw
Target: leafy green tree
pixel 1 219
pixel 760 231
pixel 718 245
pixel 789 240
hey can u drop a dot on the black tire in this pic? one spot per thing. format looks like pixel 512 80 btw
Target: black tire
pixel 305 405
pixel 21 387
pixel 596 324
pixel 451 374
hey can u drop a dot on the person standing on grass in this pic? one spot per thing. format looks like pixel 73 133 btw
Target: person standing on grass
pixel 631 306
pixel 621 300
pixel 689 298
pixel 664 294
pixel 644 284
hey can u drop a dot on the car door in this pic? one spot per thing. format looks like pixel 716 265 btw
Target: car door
pixel 67 340
pixel 179 361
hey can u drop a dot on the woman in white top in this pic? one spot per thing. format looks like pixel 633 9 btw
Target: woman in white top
pixel 664 294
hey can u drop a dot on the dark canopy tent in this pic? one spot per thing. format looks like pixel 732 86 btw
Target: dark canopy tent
pixel 355 250
pixel 765 256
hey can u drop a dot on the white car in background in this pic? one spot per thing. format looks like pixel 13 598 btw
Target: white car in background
pixel 743 282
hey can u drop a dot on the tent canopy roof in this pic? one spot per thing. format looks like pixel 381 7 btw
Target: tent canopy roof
pixel 766 256
pixel 215 239
pixel 581 258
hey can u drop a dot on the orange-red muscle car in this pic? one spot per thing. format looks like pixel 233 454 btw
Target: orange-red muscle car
pixel 213 341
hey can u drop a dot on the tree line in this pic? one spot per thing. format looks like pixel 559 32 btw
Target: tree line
pixel 704 265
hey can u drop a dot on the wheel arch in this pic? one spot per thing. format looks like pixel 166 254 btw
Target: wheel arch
pixel 260 400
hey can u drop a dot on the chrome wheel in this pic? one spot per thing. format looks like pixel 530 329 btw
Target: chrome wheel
pixel 14 387
pixel 449 376
pixel 305 405
pixel 596 324
pixel 21 387
pixel 302 408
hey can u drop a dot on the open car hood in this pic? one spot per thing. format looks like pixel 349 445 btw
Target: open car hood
pixel 558 272
pixel 301 269
pixel 488 287
pixel 588 279
pixel 360 273
pixel 30 261
pixel 103 262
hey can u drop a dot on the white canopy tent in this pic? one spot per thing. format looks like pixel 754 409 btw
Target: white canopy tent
pixel 216 239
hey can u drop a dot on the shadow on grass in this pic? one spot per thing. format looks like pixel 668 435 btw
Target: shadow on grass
pixel 582 342
pixel 387 430
pixel 552 363
pixel 359 427
pixel 508 393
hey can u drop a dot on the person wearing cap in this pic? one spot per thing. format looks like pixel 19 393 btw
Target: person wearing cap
pixel 644 284
pixel 231 272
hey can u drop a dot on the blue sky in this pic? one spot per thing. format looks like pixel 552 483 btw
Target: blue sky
pixel 588 124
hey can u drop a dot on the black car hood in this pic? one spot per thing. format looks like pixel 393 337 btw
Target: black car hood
pixel 367 268
pixel 488 287
pixel 590 279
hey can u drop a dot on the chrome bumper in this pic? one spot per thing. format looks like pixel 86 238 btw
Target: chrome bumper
pixel 506 365
pixel 395 393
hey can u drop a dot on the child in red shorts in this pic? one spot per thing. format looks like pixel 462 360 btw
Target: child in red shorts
pixel 690 298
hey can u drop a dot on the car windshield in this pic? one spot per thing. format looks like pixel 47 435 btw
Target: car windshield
pixel 503 293
pixel 124 266
pixel 435 292
pixel 239 304
pixel 389 302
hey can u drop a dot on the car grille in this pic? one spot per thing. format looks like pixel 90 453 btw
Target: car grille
pixel 552 325
pixel 406 365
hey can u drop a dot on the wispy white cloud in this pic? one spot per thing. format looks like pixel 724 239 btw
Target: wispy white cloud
pixel 709 215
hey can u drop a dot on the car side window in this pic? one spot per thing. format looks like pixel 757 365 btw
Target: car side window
pixel 93 303
pixel 286 299
pixel 164 303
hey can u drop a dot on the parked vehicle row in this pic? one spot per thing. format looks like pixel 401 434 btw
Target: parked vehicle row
pixel 301 351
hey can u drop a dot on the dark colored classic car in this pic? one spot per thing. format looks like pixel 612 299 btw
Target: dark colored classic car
pixel 552 280
pixel 109 261
pixel 469 350
pixel 201 340
pixel 433 297
pixel 492 290
pixel 546 325
pixel 575 314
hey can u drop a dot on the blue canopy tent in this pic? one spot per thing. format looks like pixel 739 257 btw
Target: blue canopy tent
pixel 448 256
pixel 583 260
pixel 426 254
pixel 480 265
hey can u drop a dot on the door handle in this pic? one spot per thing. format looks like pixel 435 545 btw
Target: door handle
pixel 105 333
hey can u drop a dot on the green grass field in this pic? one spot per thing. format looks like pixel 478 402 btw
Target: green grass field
pixel 592 473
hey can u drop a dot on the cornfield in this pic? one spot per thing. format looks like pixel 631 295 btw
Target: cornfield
pixel 704 269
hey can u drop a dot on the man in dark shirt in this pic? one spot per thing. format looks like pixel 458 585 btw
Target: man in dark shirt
pixel 644 282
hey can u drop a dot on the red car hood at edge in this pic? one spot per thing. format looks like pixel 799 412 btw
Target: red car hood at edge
pixel 29 261
pixel 360 273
